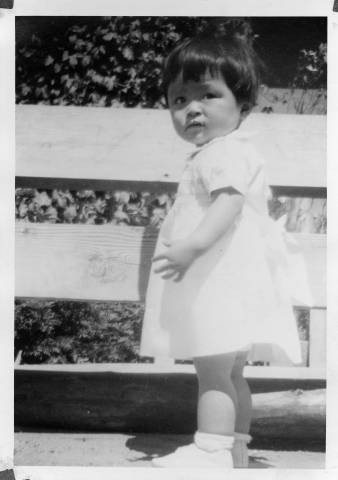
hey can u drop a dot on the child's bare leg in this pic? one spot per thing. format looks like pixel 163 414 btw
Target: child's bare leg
pixel 244 410
pixel 217 399
pixel 240 452
pixel 216 414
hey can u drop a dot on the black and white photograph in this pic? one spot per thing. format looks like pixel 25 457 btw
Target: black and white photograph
pixel 169 218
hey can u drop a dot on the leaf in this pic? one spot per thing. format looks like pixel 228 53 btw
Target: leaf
pixel 124 197
pixel 108 37
pixel 121 216
pixel 25 90
pixel 28 53
pixel 86 60
pixel 23 210
pixel 70 213
pixel 51 215
pixel 57 68
pixel 42 199
pixel 163 198
pixel 110 82
pixel 48 61
pixel 88 194
pixel 98 79
pixel 73 60
pixel 65 55
pixel 128 53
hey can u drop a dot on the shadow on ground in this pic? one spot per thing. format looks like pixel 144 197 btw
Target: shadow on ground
pixel 156 446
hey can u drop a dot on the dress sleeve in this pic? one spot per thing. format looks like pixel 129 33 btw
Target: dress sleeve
pixel 224 164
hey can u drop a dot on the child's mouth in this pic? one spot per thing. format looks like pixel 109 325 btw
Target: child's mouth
pixel 192 125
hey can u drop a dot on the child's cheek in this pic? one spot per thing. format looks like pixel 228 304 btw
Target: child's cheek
pixel 178 123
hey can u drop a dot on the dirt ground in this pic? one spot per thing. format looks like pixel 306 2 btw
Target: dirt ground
pixel 122 450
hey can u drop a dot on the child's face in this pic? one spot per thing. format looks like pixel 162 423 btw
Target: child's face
pixel 203 110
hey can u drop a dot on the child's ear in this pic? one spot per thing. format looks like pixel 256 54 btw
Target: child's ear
pixel 245 110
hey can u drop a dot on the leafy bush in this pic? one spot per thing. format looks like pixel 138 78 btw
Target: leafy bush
pixel 77 332
pixel 311 73
pixel 115 61
pixel 87 206
pixel 144 208
pixel 311 68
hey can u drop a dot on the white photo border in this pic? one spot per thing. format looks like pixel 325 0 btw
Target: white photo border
pixel 301 8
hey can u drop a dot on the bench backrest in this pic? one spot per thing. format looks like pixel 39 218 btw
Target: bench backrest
pixel 131 149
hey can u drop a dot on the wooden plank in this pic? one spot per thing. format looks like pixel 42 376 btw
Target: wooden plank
pixel 313 247
pixel 292 414
pixel 111 401
pixel 83 262
pixel 109 262
pixel 257 373
pixel 317 353
pixel 121 144
pixel 102 185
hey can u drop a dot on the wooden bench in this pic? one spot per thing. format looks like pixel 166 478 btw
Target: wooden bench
pixel 130 149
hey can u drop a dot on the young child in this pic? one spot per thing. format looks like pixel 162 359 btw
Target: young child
pixel 215 286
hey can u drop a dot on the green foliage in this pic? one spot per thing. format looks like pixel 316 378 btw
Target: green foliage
pixel 144 208
pixel 76 332
pixel 311 68
pixel 303 323
pixel 114 62
pixel 311 73
pixel 87 206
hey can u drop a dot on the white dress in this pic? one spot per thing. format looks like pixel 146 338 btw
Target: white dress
pixel 236 295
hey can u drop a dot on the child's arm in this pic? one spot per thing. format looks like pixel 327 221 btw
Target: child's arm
pixel 227 204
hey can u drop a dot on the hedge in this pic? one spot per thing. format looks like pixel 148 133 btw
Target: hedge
pixel 79 332
pixel 116 61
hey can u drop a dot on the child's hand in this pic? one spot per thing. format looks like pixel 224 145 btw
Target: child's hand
pixel 179 256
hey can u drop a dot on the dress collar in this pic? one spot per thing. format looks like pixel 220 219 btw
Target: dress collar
pixel 237 133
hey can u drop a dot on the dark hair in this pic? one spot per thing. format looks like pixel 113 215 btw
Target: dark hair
pixel 231 57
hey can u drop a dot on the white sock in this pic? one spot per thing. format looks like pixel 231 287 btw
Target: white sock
pixel 207 451
pixel 211 442
pixel 240 450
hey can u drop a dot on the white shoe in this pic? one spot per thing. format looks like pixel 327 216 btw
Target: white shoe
pixel 240 452
pixel 207 451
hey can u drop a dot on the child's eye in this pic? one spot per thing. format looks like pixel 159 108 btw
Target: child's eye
pixel 209 95
pixel 179 100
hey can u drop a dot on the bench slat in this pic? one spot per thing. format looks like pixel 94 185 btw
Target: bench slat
pixel 140 145
pixel 88 399
pixel 258 372
pixel 102 185
pixel 108 262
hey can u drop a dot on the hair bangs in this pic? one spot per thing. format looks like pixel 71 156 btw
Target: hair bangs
pixel 230 58
pixel 192 60
pixel 196 64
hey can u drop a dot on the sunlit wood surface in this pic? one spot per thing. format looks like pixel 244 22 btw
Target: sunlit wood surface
pixel 140 144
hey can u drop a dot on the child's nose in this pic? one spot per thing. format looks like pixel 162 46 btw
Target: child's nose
pixel 194 108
